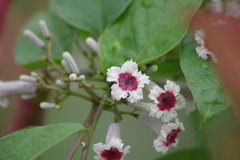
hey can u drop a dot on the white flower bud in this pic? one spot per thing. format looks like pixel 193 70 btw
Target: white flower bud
pixel 27 78
pixel 73 77
pixel 44 28
pixel 92 44
pixel 151 69
pixel 4 103
pixel 113 132
pixel 81 78
pixel 141 106
pixel 34 74
pixel 35 39
pixel 150 123
pixel 59 83
pixel 28 96
pixel 47 105
pixel 70 61
pixel 66 66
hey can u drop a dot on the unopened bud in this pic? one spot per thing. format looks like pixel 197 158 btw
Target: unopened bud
pixel 66 66
pixel 47 105
pixel 73 77
pixel 59 83
pixel 113 132
pixel 27 78
pixel 44 28
pixel 28 96
pixel 34 74
pixel 35 39
pixel 150 123
pixel 81 78
pixel 92 44
pixel 151 69
pixel 70 61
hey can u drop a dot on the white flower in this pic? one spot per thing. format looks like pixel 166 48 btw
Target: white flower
pixel 110 151
pixel 168 136
pixel 129 80
pixel 113 149
pixel 203 50
pixel 166 101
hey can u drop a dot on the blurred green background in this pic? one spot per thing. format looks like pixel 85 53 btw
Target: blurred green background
pixel 221 137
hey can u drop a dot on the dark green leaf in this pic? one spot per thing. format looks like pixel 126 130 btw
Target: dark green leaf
pixel 193 154
pixel 90 15
pixel 203 81
pixel 29 55
pixel 28 144
pixel 146 31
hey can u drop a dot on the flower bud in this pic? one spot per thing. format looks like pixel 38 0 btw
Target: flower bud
pixel 66 66
pixel 28 96
pixel 71 63
pixel 27 78
pixel 44 28
pixel 81 78
pixel 92 44
pixel 151 69
pixel 35 39
pixel 47 105
pixel 73 77
pixel 59 83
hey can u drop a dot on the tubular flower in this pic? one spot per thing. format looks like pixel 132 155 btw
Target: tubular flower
pixel 112 150
pixel 166 101
pixel 129 80
pixel 168 136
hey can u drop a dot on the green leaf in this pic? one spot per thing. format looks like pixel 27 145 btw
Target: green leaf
pixel 28 144
pixel 29 55
pixel 203 81
pixel 90 15
pixel 146 31
pixel 193 154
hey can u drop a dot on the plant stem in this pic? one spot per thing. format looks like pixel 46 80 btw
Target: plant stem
pixel 89 123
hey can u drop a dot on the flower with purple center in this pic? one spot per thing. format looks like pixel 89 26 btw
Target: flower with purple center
pixel 110 151
pixel 166 101
pixel 168 136
pixel 129 80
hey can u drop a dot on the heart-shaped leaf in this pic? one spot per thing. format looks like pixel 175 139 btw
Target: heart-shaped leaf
pixel 203 81
pixel 28 144
pixel 146 31
pixel 90 15
pixel 29 55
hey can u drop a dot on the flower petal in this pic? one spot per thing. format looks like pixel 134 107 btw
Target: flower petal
pixel 129 66
pixel 154 93
pixel 112 74
pixel 135 95
pixel 171 86
pixel 118 93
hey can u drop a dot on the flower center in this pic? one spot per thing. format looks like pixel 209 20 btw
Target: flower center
pixel 171 137
pixel 112 154
pixel 166 101
pixel 127 81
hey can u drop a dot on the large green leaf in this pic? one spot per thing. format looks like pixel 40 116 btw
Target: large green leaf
pixel 28 144
pixel 90 15
pixel 29 55
pixel 147 30
pixel 203 81
pixel 193 154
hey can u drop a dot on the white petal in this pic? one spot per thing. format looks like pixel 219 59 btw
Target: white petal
pixel 168 116
pixel 171 86
pixel 112 74
pixel 154 93
pixel 129 66
pixel 118 93
pixel 98 148
pixel 181 102
pixel 199 36
pixel 202 51
pixel 116 143
pixel 179 124
pixel 135 95
pixel 126 150
pixel 159 145
pixel 155 112
pixel 141 78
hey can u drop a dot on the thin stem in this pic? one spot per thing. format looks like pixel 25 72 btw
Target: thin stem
pixel 80 136
pixel 96 116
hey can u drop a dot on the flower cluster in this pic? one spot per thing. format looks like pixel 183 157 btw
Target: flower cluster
pixel 203 50
pixel 129 84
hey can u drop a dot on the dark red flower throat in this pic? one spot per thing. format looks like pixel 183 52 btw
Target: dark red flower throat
pixel 112 154
pixel 127 81
pixel 171 137
pixel 166 101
